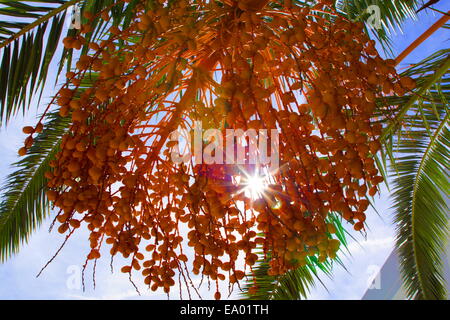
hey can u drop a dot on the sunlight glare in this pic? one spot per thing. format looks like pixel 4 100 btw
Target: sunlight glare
pixel 255 187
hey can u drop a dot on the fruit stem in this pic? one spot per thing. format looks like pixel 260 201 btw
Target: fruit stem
pixel 422 38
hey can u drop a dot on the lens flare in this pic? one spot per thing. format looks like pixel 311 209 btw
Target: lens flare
pixel 255 186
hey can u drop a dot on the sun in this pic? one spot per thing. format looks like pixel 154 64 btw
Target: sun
pixel 255 186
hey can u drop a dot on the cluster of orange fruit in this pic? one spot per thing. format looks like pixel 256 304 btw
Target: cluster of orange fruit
pixel 233 64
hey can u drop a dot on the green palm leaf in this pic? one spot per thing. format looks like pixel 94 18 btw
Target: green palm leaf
pixel 427 73
pixel 31 34
pixel 420 177
pixel 29 37
pixel 392 14
pixel 421 211
pixel 295 284
pixel 24 204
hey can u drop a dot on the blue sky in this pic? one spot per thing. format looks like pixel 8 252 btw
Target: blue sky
pixel 60 280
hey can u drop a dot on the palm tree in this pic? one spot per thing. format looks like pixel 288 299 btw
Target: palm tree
pixel 417 154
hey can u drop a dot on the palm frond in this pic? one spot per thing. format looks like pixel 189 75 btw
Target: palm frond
pixel 29 37
pixel 426 73
pixel 295 284
pixel 419 139
pixel 421 210
pixel 430 72
pixel 391 16
pixel 24 204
